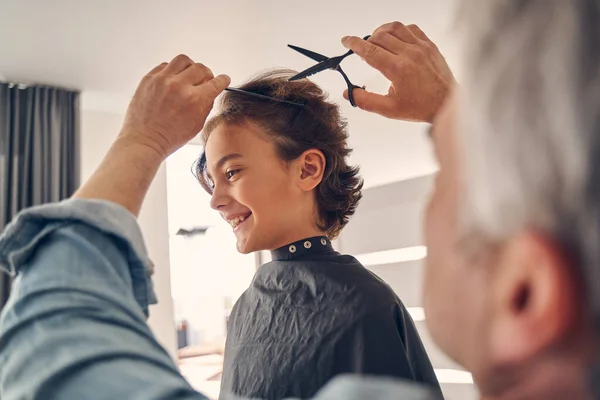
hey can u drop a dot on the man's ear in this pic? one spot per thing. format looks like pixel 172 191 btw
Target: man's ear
pixel 536 299
pixel 311 167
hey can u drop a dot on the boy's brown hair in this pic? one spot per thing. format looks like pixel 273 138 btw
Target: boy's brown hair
pixel 295 129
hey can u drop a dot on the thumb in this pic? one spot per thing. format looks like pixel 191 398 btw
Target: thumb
pixel 371 102
pixel 215 86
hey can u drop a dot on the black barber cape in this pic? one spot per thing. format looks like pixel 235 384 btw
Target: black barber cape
pixel 312 314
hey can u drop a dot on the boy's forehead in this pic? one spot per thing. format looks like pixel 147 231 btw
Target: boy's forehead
pixel 222 135
pixel 224 139
pixel 228 139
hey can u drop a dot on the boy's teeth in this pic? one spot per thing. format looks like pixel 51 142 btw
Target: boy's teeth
pixel 236 221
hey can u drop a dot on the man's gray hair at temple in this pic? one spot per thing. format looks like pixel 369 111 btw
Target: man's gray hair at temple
pixel 531 125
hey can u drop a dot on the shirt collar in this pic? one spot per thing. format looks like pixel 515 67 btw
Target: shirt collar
pixel 311 246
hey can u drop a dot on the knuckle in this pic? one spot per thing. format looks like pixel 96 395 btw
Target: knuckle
pixel 376 31
pixel 396 25
pixel 209 91
pixel 419 54
pixel 431 45
pixel 152 80
pixel 377 37
pixel 380 34
pixel 371 51
pixel 429 48
pixel 182 58
pixel 398 67
pixel 162 79
pixel 214 85
pixel 382 28
pixel 204 69
pixel 148 78
pixel 160 66
pixel 173 84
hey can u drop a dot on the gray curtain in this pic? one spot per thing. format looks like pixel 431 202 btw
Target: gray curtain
pixel 39 150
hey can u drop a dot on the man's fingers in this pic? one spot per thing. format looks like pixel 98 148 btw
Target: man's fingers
pixel 390 43
pixel 399 30
pixel 375 56
pixel 418 32
pixel 371 102
pixel 197 74
pixel 178 64
pixel 158 68
pixel 215 86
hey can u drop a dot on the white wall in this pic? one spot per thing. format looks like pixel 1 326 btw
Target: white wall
pixel 98 130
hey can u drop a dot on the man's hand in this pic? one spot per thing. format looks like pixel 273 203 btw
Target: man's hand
pixel 171 104
pixel 168 109
pixel 420 77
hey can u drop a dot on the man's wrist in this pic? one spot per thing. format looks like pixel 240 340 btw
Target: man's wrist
pixel 124 175
pixel 443 96
pixel 138 149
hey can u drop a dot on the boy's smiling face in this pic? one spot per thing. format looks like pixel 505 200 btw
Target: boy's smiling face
pixel 264 198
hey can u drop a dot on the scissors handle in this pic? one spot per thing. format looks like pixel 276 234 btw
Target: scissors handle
pixel 351 94
pixel 348 53
pixel 351 86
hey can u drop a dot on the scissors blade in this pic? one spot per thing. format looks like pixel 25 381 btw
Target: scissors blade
pixel 323 65
pixel 310 54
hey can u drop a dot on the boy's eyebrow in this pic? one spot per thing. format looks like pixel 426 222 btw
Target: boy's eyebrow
pixel 222 161
pixel 226 158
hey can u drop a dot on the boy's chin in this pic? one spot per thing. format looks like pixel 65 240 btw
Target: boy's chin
pixel 244 246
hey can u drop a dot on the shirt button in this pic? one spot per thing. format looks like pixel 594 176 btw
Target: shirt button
pixel 292 249
pixel 307 244
pixel 323 242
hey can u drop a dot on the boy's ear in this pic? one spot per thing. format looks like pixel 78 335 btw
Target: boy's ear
pixel 312 167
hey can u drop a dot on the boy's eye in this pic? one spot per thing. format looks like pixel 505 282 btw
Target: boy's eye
pixel 231 173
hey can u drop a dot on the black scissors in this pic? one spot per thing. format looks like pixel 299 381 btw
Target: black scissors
pixel 326 63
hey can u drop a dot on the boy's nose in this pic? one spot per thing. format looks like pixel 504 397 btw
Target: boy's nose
pixel 219 199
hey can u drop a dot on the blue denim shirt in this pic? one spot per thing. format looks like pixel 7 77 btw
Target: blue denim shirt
pixel 75 324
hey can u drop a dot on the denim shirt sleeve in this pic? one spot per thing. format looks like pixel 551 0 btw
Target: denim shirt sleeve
pixel 75 324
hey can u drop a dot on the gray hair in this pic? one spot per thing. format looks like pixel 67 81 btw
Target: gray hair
pixel 530 133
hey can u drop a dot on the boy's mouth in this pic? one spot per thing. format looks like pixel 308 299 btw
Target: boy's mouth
pixel 238 221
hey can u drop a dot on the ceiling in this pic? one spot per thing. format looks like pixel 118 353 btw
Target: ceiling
pixel 103 48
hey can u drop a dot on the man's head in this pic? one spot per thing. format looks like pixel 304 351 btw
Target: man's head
pixel 512 283
pixel 278 172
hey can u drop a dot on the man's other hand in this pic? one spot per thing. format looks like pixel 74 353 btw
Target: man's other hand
pixel 419 75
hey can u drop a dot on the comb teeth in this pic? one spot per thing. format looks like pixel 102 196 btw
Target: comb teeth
pixel 262 96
